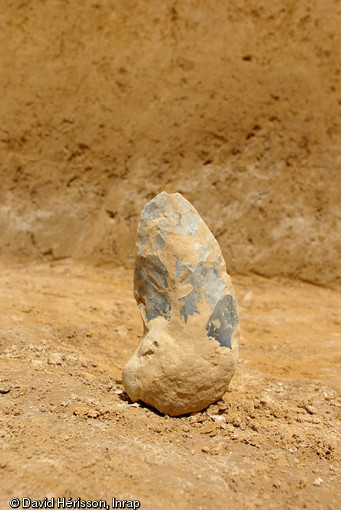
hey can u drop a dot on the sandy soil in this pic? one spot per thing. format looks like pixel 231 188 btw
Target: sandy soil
pixel 236 104
pixel 68 429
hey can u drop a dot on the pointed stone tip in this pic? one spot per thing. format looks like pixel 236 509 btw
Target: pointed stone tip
pixel 163 198
pixel 164 193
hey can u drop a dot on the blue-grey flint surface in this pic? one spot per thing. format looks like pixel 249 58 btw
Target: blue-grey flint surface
pixel 162 222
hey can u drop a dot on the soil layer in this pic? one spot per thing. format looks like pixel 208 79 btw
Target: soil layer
pixel 236 104
pixel 68 429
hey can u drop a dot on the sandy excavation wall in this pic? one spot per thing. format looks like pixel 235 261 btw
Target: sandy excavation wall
pixel 235 104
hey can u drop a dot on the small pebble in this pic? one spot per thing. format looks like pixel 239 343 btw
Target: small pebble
pixel 80 411
pixel 318 481
pixel 218 418
pixel 92 413
pixel 210 428
pixel 55 359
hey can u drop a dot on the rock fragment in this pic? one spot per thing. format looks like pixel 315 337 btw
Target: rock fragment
pixel 189 351
pixel 55 358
